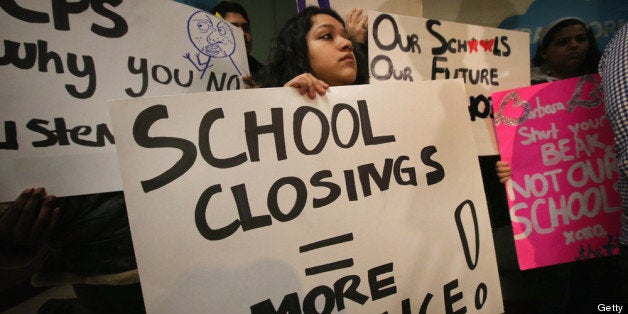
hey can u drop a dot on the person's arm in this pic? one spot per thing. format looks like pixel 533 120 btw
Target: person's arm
pixel 504 171
pixel 306 83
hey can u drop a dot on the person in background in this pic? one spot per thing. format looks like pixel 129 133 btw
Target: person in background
pixel 235 14
pixel 311 53
pixel 566 49
pixel 614 73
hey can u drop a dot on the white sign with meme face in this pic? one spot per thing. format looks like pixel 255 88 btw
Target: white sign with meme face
pixel 62 63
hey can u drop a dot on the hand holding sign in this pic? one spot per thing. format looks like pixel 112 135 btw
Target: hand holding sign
pixel 503 171
pixel 29 219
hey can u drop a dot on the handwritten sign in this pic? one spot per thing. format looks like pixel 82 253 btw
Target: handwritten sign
pixel 365 200
pixel 62 63
pixel 410 49
pixel 563 203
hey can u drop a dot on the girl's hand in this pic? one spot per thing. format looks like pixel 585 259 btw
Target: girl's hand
pixel 306 83
pixel 503 171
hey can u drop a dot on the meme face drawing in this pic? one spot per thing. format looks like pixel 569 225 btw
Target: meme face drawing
pixel 212 37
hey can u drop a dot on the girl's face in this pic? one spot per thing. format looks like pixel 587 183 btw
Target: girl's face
pixel 567 49
pixel 330 52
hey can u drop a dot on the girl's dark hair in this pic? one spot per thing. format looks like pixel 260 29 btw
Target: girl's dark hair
pixel 289 53
pixel 590 63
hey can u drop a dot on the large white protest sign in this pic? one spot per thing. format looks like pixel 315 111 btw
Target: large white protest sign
pixel 61 64
pixel 410 49
pixel 365 200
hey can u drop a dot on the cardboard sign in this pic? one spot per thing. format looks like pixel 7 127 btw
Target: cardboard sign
pixel 563 203
pixel 365 200
pixel 411 49
pixel 61 65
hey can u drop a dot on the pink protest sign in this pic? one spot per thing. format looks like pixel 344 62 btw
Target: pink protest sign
pixel 562 200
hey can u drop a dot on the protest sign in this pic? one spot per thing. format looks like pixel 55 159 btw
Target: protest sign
pixel 62 63
pixel 410 49
pixel 365 200
pixel 563 203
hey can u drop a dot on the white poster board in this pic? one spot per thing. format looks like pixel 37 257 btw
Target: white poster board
pixel 410 49
pixel 61 67
pixel 240 201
